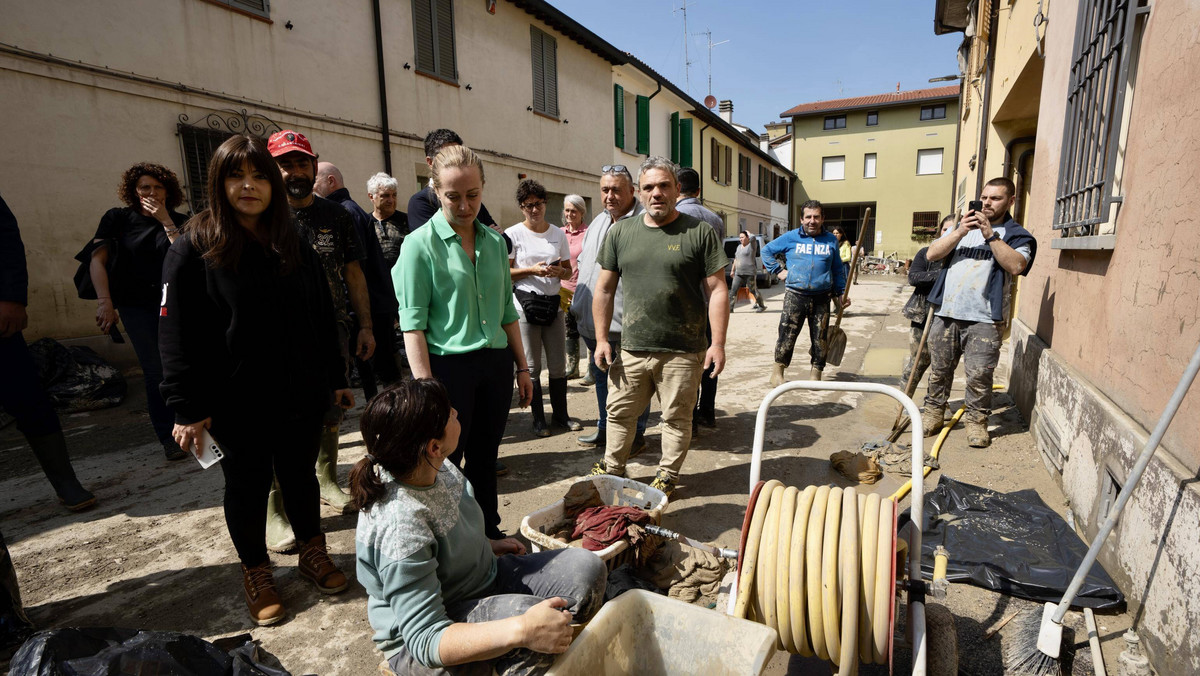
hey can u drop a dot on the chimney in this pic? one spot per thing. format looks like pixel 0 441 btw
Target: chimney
pixel 726 110
pixel 764 142
pixel 897 87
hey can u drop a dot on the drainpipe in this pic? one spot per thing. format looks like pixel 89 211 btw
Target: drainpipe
pixel 1008 148
pixel 962 90
pixel 702 174
pixel 383 111
pixel 986 105
pixel 656 91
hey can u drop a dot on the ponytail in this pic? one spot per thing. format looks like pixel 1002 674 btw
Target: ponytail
pixel 365 487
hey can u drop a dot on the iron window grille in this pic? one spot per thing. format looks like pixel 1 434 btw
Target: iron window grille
pixel 199 140
pixel 835 122
pixel 925 224
pixel 433 32
pixel 1100 76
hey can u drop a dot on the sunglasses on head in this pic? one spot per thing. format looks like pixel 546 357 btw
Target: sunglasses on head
pixel 615 169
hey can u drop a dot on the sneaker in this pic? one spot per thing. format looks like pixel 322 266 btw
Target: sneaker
pixel 598 469
pixel 501 469
pixel 760 308
pixel 316 566
pixel 663 482
pixel 262 598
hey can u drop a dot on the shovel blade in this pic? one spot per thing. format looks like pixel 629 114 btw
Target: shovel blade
pixel 835 347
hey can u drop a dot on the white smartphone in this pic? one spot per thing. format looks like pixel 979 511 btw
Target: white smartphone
pixel 210 452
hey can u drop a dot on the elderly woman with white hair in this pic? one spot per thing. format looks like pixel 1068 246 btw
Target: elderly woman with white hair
pixel 574 219
pixel 391 226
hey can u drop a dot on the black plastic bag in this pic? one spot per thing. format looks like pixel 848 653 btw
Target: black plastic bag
pixel 1009 542
pixel 103 651
pixel 76 378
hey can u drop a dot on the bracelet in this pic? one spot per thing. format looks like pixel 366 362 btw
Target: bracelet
pixel 522 370
pixel 366 327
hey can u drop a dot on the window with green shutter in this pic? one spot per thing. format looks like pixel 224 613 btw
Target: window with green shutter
pixel 543 50
pixel 643 125
pixel 685 143
pixel 674 135
pixel 619 115
pixel 433 32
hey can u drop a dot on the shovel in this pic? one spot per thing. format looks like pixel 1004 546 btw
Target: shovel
pixel 835 337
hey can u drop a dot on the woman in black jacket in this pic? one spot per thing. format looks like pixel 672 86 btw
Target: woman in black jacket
pixel 127 255
pixel 921 274
pixel 250 351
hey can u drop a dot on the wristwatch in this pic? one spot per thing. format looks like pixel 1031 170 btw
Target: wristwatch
pixel 991 239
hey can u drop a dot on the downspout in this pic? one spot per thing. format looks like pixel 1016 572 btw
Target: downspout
pixel 383 108
pixel 656 91
pixel 962 89
pixel 702 161
pixel 1008 148
pixel 986 105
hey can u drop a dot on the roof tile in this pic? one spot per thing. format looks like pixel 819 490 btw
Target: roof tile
pixel 890 98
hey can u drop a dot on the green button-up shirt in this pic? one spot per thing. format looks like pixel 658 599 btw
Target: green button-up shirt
pixel 461 306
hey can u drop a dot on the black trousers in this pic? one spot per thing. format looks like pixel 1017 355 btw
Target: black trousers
pixel 21 391
pixel 480 385
pixel 256 448
pixel 706 402
pixel 381 368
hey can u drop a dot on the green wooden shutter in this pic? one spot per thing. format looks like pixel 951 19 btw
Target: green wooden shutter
pixel 728 165
pixel 674 137
pixel 423 36
pixel 643 125
pixel 685 142
pixel 619 115
pixel 446 66
pixel 550 73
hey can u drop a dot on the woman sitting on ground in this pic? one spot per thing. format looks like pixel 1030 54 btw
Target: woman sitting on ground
pixel 441 594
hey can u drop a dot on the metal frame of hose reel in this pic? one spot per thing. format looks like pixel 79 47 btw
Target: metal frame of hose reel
pixel 916 587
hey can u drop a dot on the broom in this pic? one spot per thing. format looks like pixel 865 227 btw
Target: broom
pixel 1037 647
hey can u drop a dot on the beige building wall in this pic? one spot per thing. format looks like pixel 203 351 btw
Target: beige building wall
pixel 90 89
pixel 896 191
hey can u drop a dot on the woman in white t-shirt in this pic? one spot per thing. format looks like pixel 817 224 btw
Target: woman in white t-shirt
pixel 540 260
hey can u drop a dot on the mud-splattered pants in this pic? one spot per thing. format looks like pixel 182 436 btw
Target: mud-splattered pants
pixel 798 308
pixel 522 582
pixel 978 344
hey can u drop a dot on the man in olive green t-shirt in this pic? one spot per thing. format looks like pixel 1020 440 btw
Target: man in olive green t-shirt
pixel 668 262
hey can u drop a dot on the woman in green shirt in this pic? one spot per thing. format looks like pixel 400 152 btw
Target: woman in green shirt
pixel 456 311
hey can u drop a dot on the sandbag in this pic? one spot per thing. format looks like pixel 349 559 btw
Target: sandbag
pixel 1009 542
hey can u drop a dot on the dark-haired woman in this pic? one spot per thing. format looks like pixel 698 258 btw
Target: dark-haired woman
pixel 251 354
pixel 126 269
pixel 540 260
pixel 442 597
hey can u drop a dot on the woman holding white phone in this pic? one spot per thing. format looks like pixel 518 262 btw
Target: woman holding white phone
pixel 250 353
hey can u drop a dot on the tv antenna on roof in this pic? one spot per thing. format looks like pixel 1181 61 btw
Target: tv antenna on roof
pixel 687 63
pixel 711 44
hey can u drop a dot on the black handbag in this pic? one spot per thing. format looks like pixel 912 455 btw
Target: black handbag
pixel 540 310
pixel 83 274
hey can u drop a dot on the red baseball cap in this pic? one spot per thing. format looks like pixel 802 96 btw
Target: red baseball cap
pixel 286 141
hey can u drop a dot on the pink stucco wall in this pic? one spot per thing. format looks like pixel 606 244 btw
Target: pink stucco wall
pixel 1127 318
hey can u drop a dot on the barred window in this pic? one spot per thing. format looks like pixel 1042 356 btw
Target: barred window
pixel 1103 72
pixel 199 140
pixel 925 224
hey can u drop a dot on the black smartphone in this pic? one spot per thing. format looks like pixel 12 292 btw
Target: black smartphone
pixel 975 205
pixel 116 336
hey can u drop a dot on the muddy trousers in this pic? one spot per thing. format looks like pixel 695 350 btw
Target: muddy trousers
pixel 797 309
pixel 255 447
pixel 978 345
pixel 634 379
pixel 914 341
pixel 480 385
pixel 577 575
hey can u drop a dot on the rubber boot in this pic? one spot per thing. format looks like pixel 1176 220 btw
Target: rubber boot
pixel 331 493
pixel 977 434
pixel 814 373
pixel 558 404
pixel 588 379
pixel 597 438
pixel 777 378
pixel 51 453
pixel 933 418
pixel 537 410
pixel 279 530
pixel 572 358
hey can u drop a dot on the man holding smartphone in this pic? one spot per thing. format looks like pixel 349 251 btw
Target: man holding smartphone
pixel 984 251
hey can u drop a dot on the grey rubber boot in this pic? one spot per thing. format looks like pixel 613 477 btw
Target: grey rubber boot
pixel 327 458
pixel 777 377
pixel 51 453
pixel 279 530
pixel 572 358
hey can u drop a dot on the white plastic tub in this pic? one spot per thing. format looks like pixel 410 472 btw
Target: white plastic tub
pixel 644 633
pixel 614 490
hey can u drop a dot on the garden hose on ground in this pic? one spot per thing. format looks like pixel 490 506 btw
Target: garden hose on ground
pixel 818 566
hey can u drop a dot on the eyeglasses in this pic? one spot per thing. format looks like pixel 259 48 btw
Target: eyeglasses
pixel 530 206
pixel 615 169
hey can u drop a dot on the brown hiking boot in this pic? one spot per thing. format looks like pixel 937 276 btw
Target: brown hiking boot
pixel 777 375
pixel 977 434
pixel 262 598
pixel 316 565
pixel 933 418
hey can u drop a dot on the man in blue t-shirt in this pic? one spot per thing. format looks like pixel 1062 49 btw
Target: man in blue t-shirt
pixel 971 295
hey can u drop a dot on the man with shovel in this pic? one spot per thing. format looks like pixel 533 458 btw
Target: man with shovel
pixel 971 295
pixel 814 275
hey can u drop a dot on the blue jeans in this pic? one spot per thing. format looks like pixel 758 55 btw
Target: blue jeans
pixel 601 379
pixel 141 323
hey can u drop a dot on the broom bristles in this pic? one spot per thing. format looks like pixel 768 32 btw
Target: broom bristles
pixel 1021 654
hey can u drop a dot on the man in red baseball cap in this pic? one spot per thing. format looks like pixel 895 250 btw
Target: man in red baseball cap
pixel 329 229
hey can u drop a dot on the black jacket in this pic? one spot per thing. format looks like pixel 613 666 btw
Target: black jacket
pixel 14 278
pixel 379 279
pixel 921 274
pixel 242 342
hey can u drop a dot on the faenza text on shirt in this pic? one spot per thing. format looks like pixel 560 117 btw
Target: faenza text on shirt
pixel 807 248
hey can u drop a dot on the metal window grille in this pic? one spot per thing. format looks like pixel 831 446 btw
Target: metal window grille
pixel 199 140
pixel 544 56
pixel 433 29
pixel 925 224
pixel 1104 37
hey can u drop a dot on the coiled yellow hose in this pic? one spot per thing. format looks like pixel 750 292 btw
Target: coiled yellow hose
pixel 818 566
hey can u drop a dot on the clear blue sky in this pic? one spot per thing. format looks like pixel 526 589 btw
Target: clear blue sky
pixel 779 54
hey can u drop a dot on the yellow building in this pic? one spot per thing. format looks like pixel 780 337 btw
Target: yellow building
pixel 891 152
